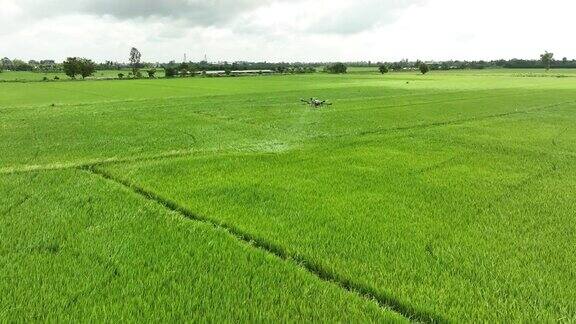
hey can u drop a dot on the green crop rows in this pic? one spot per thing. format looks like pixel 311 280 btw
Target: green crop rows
pixel 445 197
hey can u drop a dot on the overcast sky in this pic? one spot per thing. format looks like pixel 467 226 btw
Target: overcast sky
pixel 287 30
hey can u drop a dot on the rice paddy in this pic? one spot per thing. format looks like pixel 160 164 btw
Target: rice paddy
pixel 448 197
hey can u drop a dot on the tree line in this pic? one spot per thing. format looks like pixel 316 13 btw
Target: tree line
pixel 546 61
pixel 192 68
pixel 76 66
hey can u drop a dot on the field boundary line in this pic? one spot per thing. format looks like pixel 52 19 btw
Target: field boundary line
pixel 385 301
pixel 245 149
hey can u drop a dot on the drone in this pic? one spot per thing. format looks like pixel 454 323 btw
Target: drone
pixel 316 103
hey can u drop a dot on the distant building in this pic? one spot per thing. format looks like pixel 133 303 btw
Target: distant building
pixel 239 72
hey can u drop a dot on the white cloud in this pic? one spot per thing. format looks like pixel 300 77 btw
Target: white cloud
pixel 286 30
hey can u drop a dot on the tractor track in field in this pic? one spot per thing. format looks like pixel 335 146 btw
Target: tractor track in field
pixel 384 300
pixel 530 179
pixel 8 170
pixel 96 162
pixel 430 102
pixel 448 122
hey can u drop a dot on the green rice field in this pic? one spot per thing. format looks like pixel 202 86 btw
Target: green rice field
pixel 446 197
pixel 20 76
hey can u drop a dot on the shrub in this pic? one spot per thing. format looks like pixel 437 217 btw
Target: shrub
pixel 120 75
pixel 336 68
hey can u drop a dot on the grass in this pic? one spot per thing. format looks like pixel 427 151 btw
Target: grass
pixel 25 76
pixel 443 197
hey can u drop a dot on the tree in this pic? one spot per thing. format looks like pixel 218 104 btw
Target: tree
pixel 86 67
pixel 184 68
pixel 6 64
pixel 120 75
pixel 19 65
pixel 336 68
pixel 397 66
pixel 135 57
pixel 74 66
pixel 170 72
pixel 71 67
pixel 151 73
pixel 424 68
pixel 383 68
pixel 546 59
pixel 281 69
